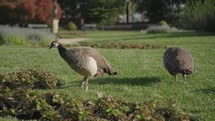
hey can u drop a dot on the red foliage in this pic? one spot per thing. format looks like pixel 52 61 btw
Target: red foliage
pixel 59 14
pixel 8 4
pixel 30 8
pixel 29 11
pixel 44 10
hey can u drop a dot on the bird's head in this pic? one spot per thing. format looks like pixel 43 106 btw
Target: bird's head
pixel 55 43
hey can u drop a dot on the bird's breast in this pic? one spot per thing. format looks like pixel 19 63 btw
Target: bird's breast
pixel 91 66
pixel 85 67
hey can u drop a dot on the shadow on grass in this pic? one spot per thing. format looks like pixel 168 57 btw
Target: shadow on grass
pixel 210 90
pixel 69 84
pixel 126 81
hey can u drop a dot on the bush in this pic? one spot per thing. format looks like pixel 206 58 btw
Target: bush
pixel 158 29
pixel 199 15
pixel 18 99
pixel 72 26
pixel 29 79
pixel 120 45
pixel 163 23
pixel 24 36
pixel 29 104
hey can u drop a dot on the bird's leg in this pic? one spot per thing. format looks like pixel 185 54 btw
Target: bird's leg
pixel 176 77
pixel 184 77
pixel 84 84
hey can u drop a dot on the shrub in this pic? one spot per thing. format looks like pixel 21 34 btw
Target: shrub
pixel 29 104
pixel 199 15
pixel 120 45
pixel 72 26
pixel 158 29
pixel 17 99
pixel 24 36
pixel 29 79
pixel 163 23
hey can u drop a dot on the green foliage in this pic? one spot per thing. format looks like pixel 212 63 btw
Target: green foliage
pixel 28 104
pixel 24 36
pixel 98 12
pixel 29 79
pixel 160 9
pixel 14 40
pixel 158 29
pixel 72 26
pixel 120 45
pixel 8 118
pixel 141 77
pixel 103 12
pixel 163 23
pixel 162 28
pixel 199 15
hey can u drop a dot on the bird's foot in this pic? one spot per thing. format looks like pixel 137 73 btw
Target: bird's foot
pixel 84 86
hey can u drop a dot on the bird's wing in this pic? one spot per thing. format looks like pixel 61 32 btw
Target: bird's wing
pixel 102 63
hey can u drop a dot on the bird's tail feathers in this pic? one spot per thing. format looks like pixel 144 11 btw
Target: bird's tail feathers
pixel 110 70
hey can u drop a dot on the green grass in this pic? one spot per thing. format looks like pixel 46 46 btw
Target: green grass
pixel 141 75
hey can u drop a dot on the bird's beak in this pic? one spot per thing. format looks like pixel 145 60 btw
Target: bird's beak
pixel 51 46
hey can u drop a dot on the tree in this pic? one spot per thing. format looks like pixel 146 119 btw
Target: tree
pixel 72 10
pixel 93 11
pixel 8 11
pixel 44 10
pixel 27 11
pixel 103 12
pixel 157 10
pixel 199 15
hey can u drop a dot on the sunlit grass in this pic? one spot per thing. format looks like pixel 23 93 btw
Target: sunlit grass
pixel 141 75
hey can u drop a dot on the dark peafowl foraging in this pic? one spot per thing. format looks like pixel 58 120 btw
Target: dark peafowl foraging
pixel 86 61
pixel 177 60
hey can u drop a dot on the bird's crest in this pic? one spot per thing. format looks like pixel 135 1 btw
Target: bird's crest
pixel 55 43
pixel 57 37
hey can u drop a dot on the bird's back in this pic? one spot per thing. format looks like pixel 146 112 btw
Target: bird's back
pixel 78 58
pixel 178 60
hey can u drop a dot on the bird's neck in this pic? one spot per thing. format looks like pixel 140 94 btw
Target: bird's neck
pixel 62 51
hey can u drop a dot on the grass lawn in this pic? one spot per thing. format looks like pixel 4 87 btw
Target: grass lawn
pixel 141 75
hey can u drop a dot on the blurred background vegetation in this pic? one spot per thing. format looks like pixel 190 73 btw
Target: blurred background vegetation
pixel 184 14
pixel 158 24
